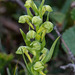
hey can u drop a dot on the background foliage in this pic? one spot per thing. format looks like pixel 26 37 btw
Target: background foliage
pixel 63 16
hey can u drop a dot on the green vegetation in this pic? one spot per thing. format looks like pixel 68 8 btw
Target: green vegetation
pixel 37 37
pixel 41 55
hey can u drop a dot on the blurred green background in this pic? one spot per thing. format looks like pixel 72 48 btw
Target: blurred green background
pixel 63 16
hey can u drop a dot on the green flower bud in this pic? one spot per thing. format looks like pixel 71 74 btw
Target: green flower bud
pixel 24 18
pixel 35 45
pixel 28 4
pixel 36 20
pixel 46 8
pixel 24 49
pixel 38 66
pixel 31 34
pixel 48 26
pixel 21 50
pixel 44 50
pixel 30 50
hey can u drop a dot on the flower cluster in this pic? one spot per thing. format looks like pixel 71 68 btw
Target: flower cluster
pixel 36 47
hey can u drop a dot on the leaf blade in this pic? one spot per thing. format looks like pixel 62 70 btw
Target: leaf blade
pixel 24 37
pixel 50 53
pixel 69 38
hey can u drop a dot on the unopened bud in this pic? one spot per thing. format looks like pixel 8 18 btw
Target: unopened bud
pixel 36 45
pixel 24 18
pixel 44 50
pixel 28 4
pixel 48 26
pixel 46 8
pixel 31 34
pixel 21 50
pixel 38 66
pixel 36 20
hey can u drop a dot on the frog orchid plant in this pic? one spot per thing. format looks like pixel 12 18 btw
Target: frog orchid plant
pixel 41 55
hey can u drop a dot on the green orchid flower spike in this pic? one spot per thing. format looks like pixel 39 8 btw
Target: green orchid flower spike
pixel 35 38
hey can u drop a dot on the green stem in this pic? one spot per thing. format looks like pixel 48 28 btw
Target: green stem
pixel 28 57
pixel 40 8
pixel 29 28
pixel 34 7
pixel 30 73
pixel 42 73
pixel 29 12
pixel 41 4
pixel 16 69
pixel 37 28
pixel 30 25
pixel 37 56
pixel 43 35
pixel 47 17
pixel 40 30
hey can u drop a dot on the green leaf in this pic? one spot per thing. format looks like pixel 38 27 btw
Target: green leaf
pixel 73 14
pixel 69 38
pixel 58 17
pixel 16 70
pixel 40 8
pixel 50 53
pixel 24 37
pixel 41 4
pixel 56 50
